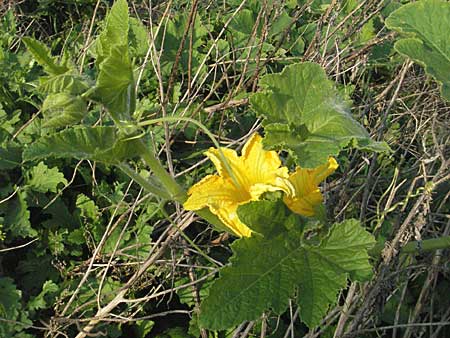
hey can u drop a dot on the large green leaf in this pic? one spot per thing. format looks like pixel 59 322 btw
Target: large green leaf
pixel 15 318
pixel 43 179
pixel 95 143
pixel 428 24
pixel 115 32
pixel 138 37
pixel 63 109
pixel 115 83
pixel 42 55
pixel 269 218
pixel 68 83
pixel 303 112
pixel 264 274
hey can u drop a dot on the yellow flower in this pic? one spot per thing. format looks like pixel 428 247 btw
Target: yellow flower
pixel 306 194
pixel 240 179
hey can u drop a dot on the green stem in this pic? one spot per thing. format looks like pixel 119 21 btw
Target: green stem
pixel 143 182
pixel 416 247
pixel 205 130
pixel 176 193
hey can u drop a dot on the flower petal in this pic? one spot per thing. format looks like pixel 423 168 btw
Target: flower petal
pixel 304 205
pixel 222 198
pixel 232 158
pixel 263 168
pixel 211 191
pixel 228 215
pixel 322 172
pixel 306 194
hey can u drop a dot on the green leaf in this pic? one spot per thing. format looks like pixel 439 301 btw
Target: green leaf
pixel 87 207
pixel 428 24
pixel 303 112
pixel 10 157
pixel 115 84
pixel 264 274
pixel 269 218
pixel 62 110
pixel 43 179
pixel 45 298
pixel 17 217
pixel 11 310
pixel 323 270
pixel 138 37
pixel 95 143
pixel 42 55
pixel 115 32
pixel 68 83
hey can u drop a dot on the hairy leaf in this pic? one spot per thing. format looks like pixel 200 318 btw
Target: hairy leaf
pixel 15 318
pixel 43 179
pixel 94 143
pixel 428 24
pixel 115 84
pixel 264 273
pixel 17 217
pixel 62 110
pixel 115 32
pixel 42 55
pixel 303 112
pixel 68 83
pixel 138 37
pixel 268 218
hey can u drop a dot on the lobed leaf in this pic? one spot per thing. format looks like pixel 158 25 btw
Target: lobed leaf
pixel 95 143
pixel 43 179
pixel 265 272
pixel 42 55
pixel 115 87
pixel 115 32
pixel 303 112
pixel 63 109
pixel 428 24
pixel 115 84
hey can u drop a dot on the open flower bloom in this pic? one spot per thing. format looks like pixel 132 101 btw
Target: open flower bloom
pixel 306 194
pixel 240 179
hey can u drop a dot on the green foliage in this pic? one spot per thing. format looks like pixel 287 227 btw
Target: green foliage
pixel 16 318
pixel 42 55
pixel 96 143
pixel 115 83
pixel 303 112
pixel 42 179
pixel 48 235
pixel 427 23
pixel 17 217
pixel 63 109
pixel 45 298
pixel 265 272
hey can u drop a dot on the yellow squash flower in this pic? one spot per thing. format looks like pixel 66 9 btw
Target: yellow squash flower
pixel 306 194
pixel 240 179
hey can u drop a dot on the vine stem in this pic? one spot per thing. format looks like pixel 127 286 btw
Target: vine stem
pixel 416 246
pixel 143 182
pixel 174 191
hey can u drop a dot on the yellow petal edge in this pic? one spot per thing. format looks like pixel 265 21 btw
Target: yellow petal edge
pixel 242 179
pixel 255 172
pixel 306 194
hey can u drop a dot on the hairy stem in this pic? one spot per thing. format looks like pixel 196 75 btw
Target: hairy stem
pixel 416 246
